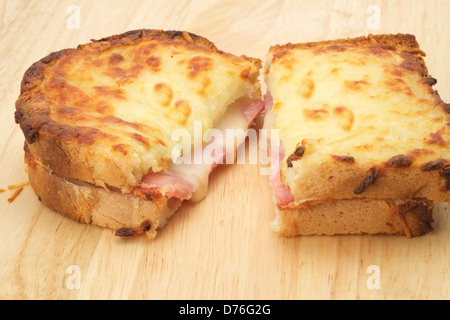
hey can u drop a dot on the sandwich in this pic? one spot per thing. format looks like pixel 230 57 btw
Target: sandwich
pixel 362 137
pixel 113 128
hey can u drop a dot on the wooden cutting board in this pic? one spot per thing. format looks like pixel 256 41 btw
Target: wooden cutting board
pixel 223 247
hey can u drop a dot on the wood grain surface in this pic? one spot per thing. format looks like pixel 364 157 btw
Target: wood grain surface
pixel 223 247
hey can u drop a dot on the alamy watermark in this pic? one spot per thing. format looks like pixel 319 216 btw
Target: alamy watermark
pixel 73 21
pixel 227 146
pixel 373 281
pixel 373 21
pixel 73 280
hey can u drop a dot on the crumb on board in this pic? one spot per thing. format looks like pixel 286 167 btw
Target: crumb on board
pixel 17 188
pixel 15 194
pixel 18 185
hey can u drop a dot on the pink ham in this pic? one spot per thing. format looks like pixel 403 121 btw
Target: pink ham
pixel 164 184
pixel 268 102
pixel 174 186
pixel 283 194
pixel 252 109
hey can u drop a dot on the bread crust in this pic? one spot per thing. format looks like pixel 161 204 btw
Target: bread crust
pixel 399 41
pixel 410 218
pixel 85 203
pixel 77 151
pixel 346 181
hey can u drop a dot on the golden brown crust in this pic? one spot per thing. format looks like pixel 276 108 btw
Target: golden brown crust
pixel 379 181
pixel 411 218
pixel 400 42
pixel 88 204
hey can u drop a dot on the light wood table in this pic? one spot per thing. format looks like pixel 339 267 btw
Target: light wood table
pixel 223 247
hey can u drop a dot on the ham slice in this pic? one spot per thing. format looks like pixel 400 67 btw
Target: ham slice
pixel 165 184
pixel 268 102
pixel 282 193
pixel 189 181
pixel 252 109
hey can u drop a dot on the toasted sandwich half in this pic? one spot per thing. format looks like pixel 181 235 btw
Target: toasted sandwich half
pixel 363 137
pixel 99 124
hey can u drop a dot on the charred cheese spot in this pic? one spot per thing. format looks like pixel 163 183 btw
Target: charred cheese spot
pixel 116 93
pixel 398 85
pixel 183 111
pixel 296 155
pixel 345 116
pixel 399 161
pixel 122 75
pixel 428 81
pixel 317 114
pixel 397 72
pixel 445 173
pixel 279 54
pixel 436 137
pixel 154 63
pixel 115 59
pixel 410 63
pixel 277 105
pixel 143 52
pixel 358 61
pixel 433 165
pixel 345 159
pixel 64 92
pixel 356 85
pixel 288 63
pixel 418 152
pixel 198 65
pixel 368 180
pixel 205 84
pixel 139 138
pixel 364 146
pixel 337 48
pixel 163 94
pixel 329 49
pixel 64 112
pixel 307 87
pixel 103 107
pixel 245 73
pixel 335 71
pixel 120 148
pixel 381 50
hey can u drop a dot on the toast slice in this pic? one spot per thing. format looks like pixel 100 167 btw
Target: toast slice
pixel 112 127
pixel 362 134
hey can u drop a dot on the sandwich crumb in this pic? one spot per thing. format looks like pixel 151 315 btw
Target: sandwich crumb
pixel 18 185
pixel 297 154
pixel 399 161
pixel 369 179
pixel 433 165
pixel 346 159
pixel 130 232
pixel 17 188
pixel 15 194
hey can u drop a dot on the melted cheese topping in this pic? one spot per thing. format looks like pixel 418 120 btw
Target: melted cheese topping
pixel 197 174
pixel 138 94
pixel 370 103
